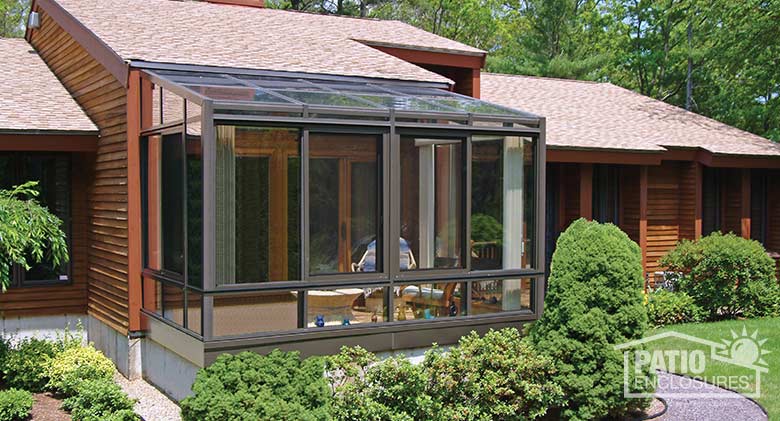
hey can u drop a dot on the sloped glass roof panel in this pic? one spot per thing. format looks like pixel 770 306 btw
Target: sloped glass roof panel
pixel 333 99
pixel 237 94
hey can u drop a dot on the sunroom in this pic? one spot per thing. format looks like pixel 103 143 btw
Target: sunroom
pixel 307 212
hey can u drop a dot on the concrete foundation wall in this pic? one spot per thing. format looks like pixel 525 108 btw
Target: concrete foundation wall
pixel 42 327
pixel 168 371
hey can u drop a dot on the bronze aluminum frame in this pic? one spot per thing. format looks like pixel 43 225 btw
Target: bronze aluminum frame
pixel 390 195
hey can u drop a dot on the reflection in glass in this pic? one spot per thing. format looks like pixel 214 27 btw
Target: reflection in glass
pixel 258 207
pixel 194 311
pixel 501 202
pixel 172 203
pixel 343 193
pixel 346 306
pixel 429 301
pixel 255 312
pixel 173 303
pixel 432 203
pixel 497 296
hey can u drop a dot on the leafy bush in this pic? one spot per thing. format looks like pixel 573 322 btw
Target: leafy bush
pixel 25 365
pixel 15 405
pixel 495 377
pixel 667 308
pixel 73 366
pixel 5 349
pixel 593 303
pixel 726 275
pixel 249 386
pixel 485 228
pixel 99 400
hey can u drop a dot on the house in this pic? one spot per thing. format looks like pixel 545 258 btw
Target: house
pixel 239 178
pixel 662 174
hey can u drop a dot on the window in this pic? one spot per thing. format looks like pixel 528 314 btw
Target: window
pixel 497 296
pixel 52 172
pixel 344 203
pixel 258 205
pixel 758 205
pixel 432 203
pixel 606 194
pixel 502 203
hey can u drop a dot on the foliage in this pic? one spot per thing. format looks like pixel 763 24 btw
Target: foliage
pixel 250 386
pixel 485 228
pixel 5 349
pixel 68 369
pixel 667 308
pixel 15 405
pixel 12 17
pixel 99 400
pixel 498 376
pixel 594 302
pixel 28 231
pixel 25 366
pixel 726 275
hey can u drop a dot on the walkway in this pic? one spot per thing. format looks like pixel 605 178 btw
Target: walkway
pixel 727 405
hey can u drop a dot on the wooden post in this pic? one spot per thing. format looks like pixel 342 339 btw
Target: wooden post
pixel 699 180
pixel 134 290
pixel 643 202
pixel 745 209
pixel 586 191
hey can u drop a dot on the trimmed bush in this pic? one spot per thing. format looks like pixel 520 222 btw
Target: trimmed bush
pixel 15 405
pixel 593 303
pixel 25 365
pixel 726 275
pixel 99 400
pixel 249 386
pixel 665 307
pixel 68 369
pixel 495 377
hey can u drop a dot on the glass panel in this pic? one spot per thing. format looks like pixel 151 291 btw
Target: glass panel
pixel 194 311
pixel 153 203
pixel 474 106
pixel 606 193
pixel 501 202
pixel 156 105
pixel 172 203
pixel 53 176
pixel 258 210
pixel 198 78
pixel 501 295
pixel 193 119
pixel 346 306
pixel 173 107
pixel 343 194
pixel 246 313
pixel 404 103
pixel 194 212
pixel 152 292
pixel 429 301
pixel 173 303
pixel 236 94
pixel 324 98
pixel 432 221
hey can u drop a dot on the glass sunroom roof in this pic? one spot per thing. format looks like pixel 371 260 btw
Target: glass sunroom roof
pixel 268 92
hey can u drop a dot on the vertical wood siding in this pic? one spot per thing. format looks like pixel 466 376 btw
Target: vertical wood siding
pixel 104 100
pixel 688 200
pixel 70 298
pixel 663 212
pixel 731 200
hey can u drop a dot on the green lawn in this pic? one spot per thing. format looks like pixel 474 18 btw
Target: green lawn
pixel 768 329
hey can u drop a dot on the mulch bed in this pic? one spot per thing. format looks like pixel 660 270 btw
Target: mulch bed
pixel 47 408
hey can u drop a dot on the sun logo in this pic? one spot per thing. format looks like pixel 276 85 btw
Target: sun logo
pixel 745 349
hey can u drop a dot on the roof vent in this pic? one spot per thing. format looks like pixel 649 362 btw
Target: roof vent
pixel 34 22
pixel 249 3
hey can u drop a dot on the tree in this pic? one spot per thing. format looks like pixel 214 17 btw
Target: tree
pixel 334 7
pixel 12 17
pixel 28 232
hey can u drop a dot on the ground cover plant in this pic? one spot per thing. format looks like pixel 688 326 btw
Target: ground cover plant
pixel 15 405
pixel 100 400
pixel 593 303
pixel 69 368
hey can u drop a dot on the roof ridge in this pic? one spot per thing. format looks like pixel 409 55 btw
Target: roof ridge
pixel 559 79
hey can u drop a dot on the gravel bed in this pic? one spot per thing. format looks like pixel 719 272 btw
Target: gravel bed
pixel 723 405
pixel 152 404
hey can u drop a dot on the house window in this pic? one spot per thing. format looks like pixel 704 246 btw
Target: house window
pixel 758 205
pixel 606 194
pixel 52 172
pixel 711 201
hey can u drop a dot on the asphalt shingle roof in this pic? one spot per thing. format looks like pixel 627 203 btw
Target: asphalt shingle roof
pixel 591 115
pixel 31 97
pixel 200 33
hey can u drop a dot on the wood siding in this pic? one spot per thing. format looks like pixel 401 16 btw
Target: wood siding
pixel 663 212
pixel 69 298
pixel 629 201
pixel 731 200
pixel 104 99
pixel 688 197
pixel 773 213
pixel 570 201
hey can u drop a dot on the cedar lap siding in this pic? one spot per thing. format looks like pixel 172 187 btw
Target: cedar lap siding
pixel 104 99
pixel 660 157
pixel 103 251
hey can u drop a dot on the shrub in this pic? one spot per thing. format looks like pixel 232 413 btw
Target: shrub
pixel 726 275
pixel 5 349
pixel 495 377
pixel 593 303
pixel 15 405
pixel 667 308
pixel 25 365
pixel 74 365
pixel 249 386
pixel 99 400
